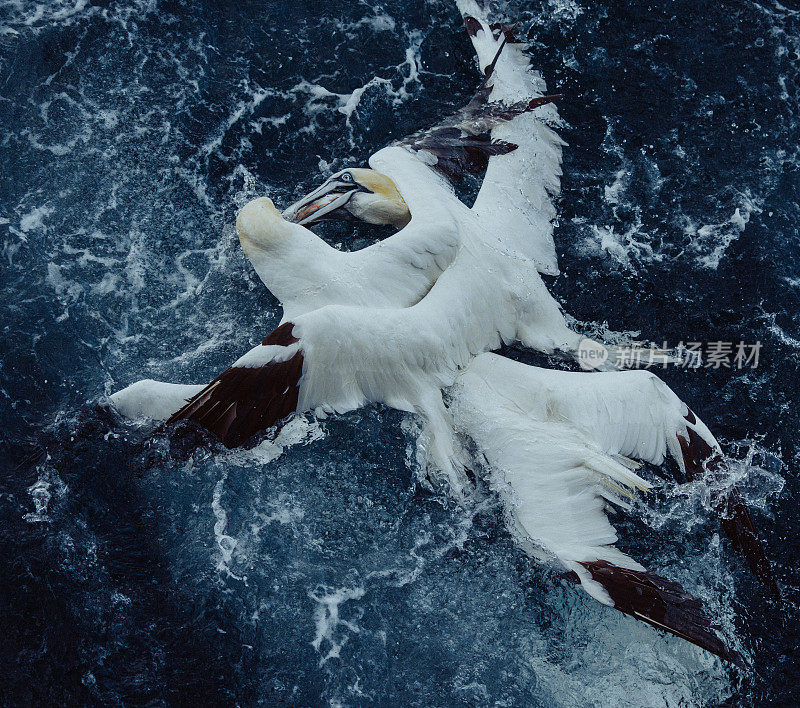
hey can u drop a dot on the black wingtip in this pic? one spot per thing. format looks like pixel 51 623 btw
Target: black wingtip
pixel 661 603
pixel 509 31
pixel 487 73
pixel 245 400
pixel 472 25
pixel 735 520
pixel 702 461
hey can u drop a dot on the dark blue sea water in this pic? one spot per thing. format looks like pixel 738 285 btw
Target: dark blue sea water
pixel 145 568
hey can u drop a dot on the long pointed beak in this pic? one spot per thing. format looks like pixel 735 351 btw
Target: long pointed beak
pixel 319 204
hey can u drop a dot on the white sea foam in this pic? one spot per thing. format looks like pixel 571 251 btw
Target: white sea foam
pixel 625 248
pixel 35 219
pixel 565 10
pixel 243 109
pixel 298 430
pixel 399 87
pixel 40 495
pixel 226 544
pixel 30 16
pixel 779 332
pixel 711 241
pixel 332 629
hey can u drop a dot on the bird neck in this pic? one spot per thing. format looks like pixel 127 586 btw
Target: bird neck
pixel 285 264
pixel 395 213
pixel 384 212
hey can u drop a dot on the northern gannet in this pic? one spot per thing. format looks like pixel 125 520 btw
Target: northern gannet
pixel 407 186
pixel 558 448
pixel 395 321
pixel 556 440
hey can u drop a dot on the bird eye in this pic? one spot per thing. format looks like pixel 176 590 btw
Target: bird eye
pixel 346 177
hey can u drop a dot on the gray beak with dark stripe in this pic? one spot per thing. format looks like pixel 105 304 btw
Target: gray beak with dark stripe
pixel 325 202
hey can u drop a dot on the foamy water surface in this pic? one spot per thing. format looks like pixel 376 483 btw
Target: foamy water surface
pixel 142 567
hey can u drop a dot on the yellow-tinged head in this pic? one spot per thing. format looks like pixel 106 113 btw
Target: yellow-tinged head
pixel 354 193
pixel 260 224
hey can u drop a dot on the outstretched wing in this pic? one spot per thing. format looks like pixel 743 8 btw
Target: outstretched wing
pixel 515 196
pixel 253 394
pixel 635 414
pixel 559 446
pixel 622 415
pixel 463 143
pixel 496 131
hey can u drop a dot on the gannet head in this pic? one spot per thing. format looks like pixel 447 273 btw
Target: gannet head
pixel 260 225
pixel 354 193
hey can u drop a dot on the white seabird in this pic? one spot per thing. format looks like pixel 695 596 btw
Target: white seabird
pixel 559 449
pixel 503 130
pixel 387 324
pixel 557 443
pixel 508 228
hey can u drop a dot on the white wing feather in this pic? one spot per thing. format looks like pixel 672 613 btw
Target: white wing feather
pixel 515 196
pixel 305 273
pixel 153 399
pixel 485 298
pixel 557 443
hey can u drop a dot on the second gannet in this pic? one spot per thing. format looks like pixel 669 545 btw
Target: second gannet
pixel 407 187
pixel 558 447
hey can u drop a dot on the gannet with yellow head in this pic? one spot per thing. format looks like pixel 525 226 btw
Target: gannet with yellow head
pixel 363 194
pixel 553 439
pixel 407 187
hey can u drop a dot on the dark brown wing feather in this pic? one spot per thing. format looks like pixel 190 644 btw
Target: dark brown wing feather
pixel 281 336
pixel 462 144
pixel 701 461
pixel 243 401
pixel 661 603
pixel 473 26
